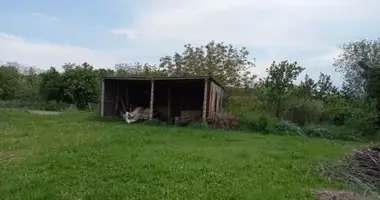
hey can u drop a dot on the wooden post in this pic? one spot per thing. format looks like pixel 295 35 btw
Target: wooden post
pixel 127 100
pixel 169 103
pixel 117 98
pixel 102 100
pixel 204 116
pixel 151 99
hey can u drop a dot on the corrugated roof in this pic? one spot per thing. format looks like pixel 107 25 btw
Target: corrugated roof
pixel 162 78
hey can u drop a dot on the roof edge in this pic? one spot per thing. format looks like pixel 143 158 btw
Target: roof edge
pixel 162 78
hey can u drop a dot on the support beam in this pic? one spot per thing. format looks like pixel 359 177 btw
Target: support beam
pixel 102 100
pixel 204 116
pixel 169 103
pixel 127 100
pixel 151 99
pixel 117 98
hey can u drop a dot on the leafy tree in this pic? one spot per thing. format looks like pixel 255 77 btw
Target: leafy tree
pixel 279 81
pixel 348 64
pixel 137 69
pixel 371 75
pixel 226 63
pixel 306 89
pixel 51 88
pixel 8 82
pixel 80 84
pixel 29 81
pixel 325 86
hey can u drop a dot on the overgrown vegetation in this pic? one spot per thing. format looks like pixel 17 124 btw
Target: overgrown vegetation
pixel 273 103
pixel 70 156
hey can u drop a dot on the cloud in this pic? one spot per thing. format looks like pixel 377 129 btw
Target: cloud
pixel 273 29
pixel 44 54
pixel 40 15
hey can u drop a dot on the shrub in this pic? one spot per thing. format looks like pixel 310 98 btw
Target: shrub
pixel 253 122
pixel 284 126
pixel 316 131
pixel 302 111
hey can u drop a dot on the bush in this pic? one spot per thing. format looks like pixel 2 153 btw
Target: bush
pixel 253 122
pixel 301 112
pixel 284 126
pixel 316 131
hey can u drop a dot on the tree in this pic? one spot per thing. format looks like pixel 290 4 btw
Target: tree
pixel 29 81
pixel 307 88
pixel 80 84
pixel 137 69
pixel 8 82
pixel 279 81
pixel 51 88
pixel 325 86
pixel 226 63
pixel 347 64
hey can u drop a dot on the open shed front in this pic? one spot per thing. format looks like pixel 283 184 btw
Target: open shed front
pixel 169 98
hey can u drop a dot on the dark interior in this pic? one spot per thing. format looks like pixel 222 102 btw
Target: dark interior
pixel 170 96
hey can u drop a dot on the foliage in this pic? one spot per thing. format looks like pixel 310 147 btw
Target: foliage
pixel 80 86
pixel 325 87
pixel 137 69
pixel 279 82
pixel 348 64
pixel 253 122
pixel 301 111
pixel 226 63
pixel 51 87
pixel 313 130
pixel 284 126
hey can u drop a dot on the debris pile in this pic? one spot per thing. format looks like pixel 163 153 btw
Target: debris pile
pixel 364 166
pixel 360 170
pixel 223 121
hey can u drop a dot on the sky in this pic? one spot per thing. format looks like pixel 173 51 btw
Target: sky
pixel 44 33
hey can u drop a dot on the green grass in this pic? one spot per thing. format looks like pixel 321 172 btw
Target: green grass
pixel 71 156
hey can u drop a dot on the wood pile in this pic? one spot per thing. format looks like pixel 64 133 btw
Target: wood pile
pixel 365 165
pixel 360 170
pixel 223 121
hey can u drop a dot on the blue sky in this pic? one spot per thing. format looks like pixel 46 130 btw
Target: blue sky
pixel 46 33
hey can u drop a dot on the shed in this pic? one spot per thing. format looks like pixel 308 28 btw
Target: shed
pixel 168 96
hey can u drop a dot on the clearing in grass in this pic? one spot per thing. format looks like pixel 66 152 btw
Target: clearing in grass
pixel 71 156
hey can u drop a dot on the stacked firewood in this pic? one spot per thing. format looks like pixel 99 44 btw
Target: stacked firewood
pixel 223 121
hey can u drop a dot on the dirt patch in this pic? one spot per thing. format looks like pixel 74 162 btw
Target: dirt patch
pixel 336 195
pixel 42 112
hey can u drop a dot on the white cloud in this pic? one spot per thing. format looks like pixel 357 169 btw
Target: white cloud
pixel 306 31
pixel 280 29
pixel 40 15
pixel 263 23
pixel 44 54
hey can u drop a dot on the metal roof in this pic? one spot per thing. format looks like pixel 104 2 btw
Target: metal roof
pixel 161 78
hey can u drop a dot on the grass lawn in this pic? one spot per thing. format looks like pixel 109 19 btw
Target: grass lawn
pixel 72 156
